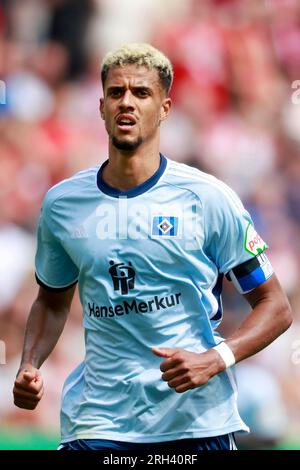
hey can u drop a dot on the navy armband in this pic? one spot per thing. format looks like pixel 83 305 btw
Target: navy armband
pixel 251 274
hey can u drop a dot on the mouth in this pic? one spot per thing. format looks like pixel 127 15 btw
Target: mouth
pixel 126 122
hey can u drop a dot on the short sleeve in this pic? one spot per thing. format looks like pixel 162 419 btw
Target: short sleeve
pixel 54 267
pixel 230 236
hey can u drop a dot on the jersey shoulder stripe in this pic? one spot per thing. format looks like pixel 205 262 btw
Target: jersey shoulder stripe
pixel 69 185
pixel 204 181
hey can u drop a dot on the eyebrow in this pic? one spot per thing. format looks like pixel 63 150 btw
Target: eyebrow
pixel 114 87
pixel 136 87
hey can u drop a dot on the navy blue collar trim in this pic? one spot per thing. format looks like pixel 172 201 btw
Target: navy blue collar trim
pixel 137 190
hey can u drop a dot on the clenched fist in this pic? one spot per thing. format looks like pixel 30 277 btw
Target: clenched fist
pixel 28 388
pixel 185 370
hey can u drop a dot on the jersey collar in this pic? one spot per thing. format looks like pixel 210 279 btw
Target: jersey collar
pixel 137 190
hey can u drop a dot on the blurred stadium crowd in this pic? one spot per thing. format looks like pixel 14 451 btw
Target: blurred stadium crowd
pixel 233 116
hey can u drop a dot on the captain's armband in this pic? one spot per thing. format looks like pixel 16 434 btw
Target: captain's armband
pixel 251 273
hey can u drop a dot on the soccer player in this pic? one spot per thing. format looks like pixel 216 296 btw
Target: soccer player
pixel 148 240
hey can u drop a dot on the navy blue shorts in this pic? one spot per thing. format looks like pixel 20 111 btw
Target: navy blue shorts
pixel 224 442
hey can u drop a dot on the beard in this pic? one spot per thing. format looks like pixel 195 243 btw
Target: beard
pixel 127 146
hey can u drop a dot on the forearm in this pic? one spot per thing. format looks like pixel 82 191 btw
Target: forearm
pixel 44 327
pixel 269 318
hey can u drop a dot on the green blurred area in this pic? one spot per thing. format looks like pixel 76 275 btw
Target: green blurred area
pixel 291 444
pixel 29 439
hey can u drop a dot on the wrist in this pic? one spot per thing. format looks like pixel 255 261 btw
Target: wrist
pixel 216 363
pixel 225 354
pixel 27 365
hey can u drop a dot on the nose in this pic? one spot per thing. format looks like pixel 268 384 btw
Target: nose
pixel 127 100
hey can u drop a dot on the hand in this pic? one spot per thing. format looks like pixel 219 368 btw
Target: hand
pixel 185 370
pixel 28 388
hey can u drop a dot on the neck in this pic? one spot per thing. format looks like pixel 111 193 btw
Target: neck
pixel 125 170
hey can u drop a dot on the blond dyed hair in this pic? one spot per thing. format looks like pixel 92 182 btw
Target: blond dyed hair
pixel 141 54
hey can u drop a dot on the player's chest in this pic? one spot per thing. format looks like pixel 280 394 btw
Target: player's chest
pixel 158 230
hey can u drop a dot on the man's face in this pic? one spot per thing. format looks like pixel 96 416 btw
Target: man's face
pixel 133 106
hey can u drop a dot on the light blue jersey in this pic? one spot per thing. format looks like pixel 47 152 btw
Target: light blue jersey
pixel 149 263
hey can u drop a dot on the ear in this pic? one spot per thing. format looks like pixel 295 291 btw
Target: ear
pixel 101 107
pixel 165 108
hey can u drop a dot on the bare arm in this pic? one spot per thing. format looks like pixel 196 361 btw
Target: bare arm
pixel 271 315
pixel 45 324
pixel 269 318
